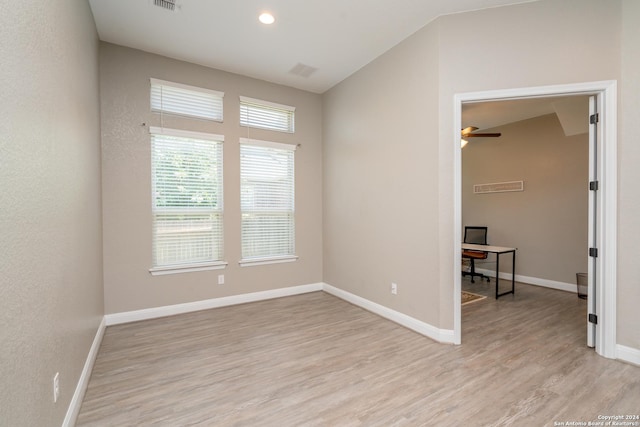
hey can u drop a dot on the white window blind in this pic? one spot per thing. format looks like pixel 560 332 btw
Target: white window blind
pixel 187 198
pixel 267 199
pixel 183 100
pixel 266 115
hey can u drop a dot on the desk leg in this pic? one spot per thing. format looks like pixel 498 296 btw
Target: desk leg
pixel 513 275
pixel 497 274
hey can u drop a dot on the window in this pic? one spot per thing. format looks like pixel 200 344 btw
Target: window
pixel 183 100
pixel 186 173
pixel 266 115
pixel 267 201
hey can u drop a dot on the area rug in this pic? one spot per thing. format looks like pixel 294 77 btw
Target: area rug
pixel 468 297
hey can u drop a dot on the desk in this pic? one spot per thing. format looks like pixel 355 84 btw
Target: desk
pixel 498 250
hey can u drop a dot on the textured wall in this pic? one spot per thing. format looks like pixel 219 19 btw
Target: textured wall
pixel 124 88
pixel 548 222
pixel 51 295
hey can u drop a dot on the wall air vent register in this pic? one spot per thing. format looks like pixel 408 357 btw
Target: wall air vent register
pixel 498 187
pixel 166 4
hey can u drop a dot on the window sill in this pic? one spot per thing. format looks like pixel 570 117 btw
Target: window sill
pixel 264 261
pixel 187 268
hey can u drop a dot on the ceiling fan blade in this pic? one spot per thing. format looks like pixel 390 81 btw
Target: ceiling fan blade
pixel 468 130
pixel 482 135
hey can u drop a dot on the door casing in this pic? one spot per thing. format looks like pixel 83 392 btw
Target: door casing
pixel 605 216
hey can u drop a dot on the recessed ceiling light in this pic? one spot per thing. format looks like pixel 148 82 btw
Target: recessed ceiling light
pixel 267 18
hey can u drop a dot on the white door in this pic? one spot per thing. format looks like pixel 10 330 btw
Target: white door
pixel 593 205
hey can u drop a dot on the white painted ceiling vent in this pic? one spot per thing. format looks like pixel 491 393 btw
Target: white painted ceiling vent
pixel 166 4
pixel 303 70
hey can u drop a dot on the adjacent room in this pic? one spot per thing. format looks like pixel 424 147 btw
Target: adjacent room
pixel 525 170
pixel 252 213
pixel 525 177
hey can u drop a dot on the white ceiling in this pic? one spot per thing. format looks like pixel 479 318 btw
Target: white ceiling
pixel 337 37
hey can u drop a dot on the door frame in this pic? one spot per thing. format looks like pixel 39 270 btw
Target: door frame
pixel 606 215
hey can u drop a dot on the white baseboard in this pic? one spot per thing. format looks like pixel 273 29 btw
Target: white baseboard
pixel 440 335
pixel 628 354
pixel 170 310
pixel 76 401
pixel 553 284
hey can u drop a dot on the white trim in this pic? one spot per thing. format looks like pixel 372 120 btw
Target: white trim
pixel 628 354
pixel 170 310
pixel 441 335
pixel 185 134
pixel 187 268
pixel 608 225
pixel 268 144
pixel 607 209
pixel 261 102
pixel 457 223
pixel 76 401
pixel 430 331
pixel 535 92
pixel 186 87
pixel 265 261
pixel 536 281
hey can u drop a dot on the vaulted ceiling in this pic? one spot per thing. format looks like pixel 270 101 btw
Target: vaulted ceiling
pixel 312 45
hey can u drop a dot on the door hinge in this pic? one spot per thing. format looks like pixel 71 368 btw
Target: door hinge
pixel 594 118
pixel 593 252
pixel 593 318
pixel 593 185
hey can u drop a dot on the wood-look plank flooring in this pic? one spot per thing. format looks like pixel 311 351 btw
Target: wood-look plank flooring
pixel 315 360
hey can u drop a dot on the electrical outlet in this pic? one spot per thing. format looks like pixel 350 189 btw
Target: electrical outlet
pixel 56 387
pixel 394 288
pixel 220 279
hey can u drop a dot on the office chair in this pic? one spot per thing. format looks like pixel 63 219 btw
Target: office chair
pixel 478 236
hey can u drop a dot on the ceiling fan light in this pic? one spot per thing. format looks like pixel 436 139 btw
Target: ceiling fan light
pixel 463 142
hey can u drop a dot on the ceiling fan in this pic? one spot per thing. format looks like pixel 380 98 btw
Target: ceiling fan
pixel 469 132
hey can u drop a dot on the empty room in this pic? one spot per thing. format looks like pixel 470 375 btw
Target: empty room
pixel 252 213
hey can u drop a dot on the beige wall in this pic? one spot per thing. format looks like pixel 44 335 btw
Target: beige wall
pixel 629 177
pixel 380 158
pixel 534 44
pixel 51 295
pixel 124 86
pixel 548 221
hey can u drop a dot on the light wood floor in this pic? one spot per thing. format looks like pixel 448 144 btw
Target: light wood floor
pixel 315 360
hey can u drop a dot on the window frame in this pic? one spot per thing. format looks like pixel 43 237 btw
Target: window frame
pixel 274 258
pixel 217 95
pixel 262 106
pixel 188 266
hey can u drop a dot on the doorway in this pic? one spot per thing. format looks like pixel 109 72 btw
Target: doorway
pixel 602 219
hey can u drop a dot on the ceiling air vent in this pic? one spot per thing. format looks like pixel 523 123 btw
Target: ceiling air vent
pixel 303 70
pixel 166 4
pixel 498 187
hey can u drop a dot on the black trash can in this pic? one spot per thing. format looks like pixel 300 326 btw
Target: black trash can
pixel 582 280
